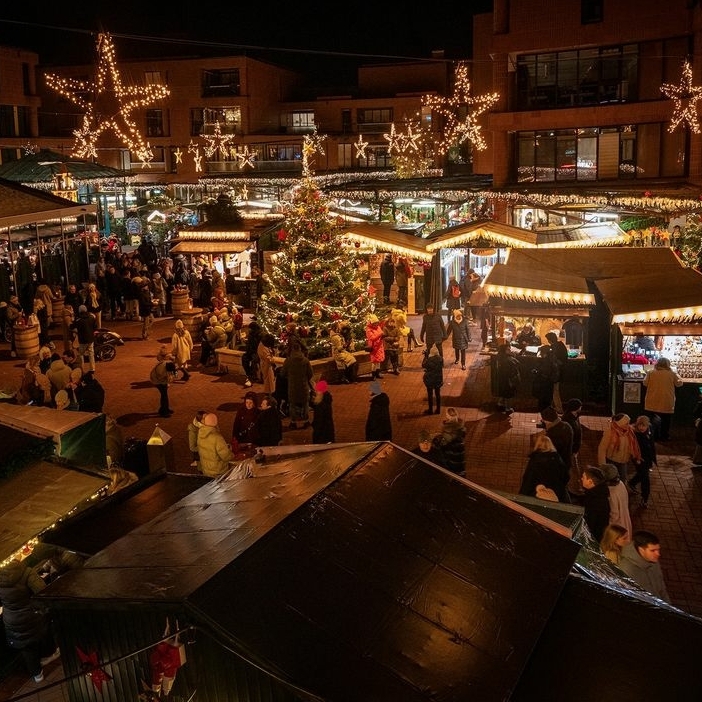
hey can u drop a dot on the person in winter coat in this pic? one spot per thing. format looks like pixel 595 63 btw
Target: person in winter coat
pixel 59 375
pixel 266 351
pixel 618 445
pixel 647 449
pixel 93 302
pixel 378 422
pixel 595 500
pixel 89 393
pixel 159 291
pixel 85 327
pixel 543 377
pixel 249 359
pixel 459 331
pixel 387 277
pixel 660 384
pixel 508 375
pixel 425 449
pixel 618 499
pixel 433 330
pixel 297 372
pixel 376 344
pixel 212 448
pixel 545 467
pixel 269 427
pixel 181 346
pixel 161 376
pixel 399 314
pixel 43 293
pixel 193 431
pixel 640 562
pixel 146 307
pixel 433 378
pixel 401 278
pixel 345 361
pixel 452 442
pixel 244 429
pixel 214 338
pixel 27 628
pixel 322 415
pixel 73 299
pixel 453 298
pixel 391 344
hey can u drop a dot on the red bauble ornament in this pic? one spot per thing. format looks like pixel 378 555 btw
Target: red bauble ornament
pixel 307 276
pixel 304 331
pixel 325 237
pixel 335 316
pixel 281 300
pixel 357 244
pixel 282 235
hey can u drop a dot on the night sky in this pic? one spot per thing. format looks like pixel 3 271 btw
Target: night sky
pixel 321 36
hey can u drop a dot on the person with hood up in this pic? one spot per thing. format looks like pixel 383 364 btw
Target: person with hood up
pixel 433 378
pixel 59 375
pixel 27 628
pixel 618 445
pixel 378 423
pixel 376 344
pixel 193 430
pixel 452 442
pixel 618 499
pixel 322 415
pixel 212 448
pixel 182 345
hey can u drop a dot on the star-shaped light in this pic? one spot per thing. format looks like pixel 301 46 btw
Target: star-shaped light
pixel 246 157
pixel 197 160
pixel 84 146
pixel 395 140
pixel 111 103
pixel 311 144
pixel 193 147
pixel 361 147
pixel 244 193
pixel 460 112
pixel 217 142
pixel 178 155
pixel 685 98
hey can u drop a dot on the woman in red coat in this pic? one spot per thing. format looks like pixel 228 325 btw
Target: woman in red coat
pixel 374 340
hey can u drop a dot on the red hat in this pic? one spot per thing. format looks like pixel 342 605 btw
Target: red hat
pixel 321 386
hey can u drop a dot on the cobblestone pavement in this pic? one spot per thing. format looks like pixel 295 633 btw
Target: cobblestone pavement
pixel 496 445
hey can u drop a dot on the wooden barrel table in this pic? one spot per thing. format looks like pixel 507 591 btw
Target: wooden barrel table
pixel 180 303
pixel 192 321
pixel 26 341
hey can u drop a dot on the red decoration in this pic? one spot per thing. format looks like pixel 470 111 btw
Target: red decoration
pixel 307 276
pixel 335 316
pixel 164 661
pixel 282 235
pixel 357 244
pixel 304 331
pixel 371 290
pixel 647 193
pixel 90 667
pixel 325 276
pixel 281 300
pixel 325 237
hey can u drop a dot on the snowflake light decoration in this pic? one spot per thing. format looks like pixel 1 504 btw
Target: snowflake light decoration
pixel 685 97
pixel 460 112
pixel 110 104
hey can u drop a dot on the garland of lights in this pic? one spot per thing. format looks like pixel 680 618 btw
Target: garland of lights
pixel 111 105
pixel 685 97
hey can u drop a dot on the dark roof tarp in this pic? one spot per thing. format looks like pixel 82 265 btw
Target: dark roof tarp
pixel 43 166
pixel 361 572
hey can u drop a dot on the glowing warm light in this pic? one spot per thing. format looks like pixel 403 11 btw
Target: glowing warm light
pixel 551 296
pixel 361 147
pixel 246 158
pixel 685 97
pixel 311 144
pixel 178 155
pixel 110 105
pixel 217 143
pixel 460 112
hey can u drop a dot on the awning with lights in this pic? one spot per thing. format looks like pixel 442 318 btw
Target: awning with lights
pixel 385 238
pixel 482 234
pixel 210 247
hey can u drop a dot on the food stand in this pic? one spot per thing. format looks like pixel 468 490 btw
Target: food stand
pixel 549 300
pixel 651 318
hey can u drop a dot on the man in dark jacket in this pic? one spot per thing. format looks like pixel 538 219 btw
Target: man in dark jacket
pixel 561 435
pixel 85 327
pixel 595 501
pixel 387 277
pixel 433 330
pixel 378 423
pixel 452 442
pixel 90 394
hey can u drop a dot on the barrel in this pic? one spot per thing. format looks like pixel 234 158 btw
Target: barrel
pixel 57 311
pixel 192 321
pixel 180 303
pixel 26 341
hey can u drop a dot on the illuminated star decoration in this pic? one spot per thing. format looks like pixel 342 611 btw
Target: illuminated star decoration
pixel 361 147
pixel 197 159
pixel 460 112
pixel 395 140
pixel 311 145
pixel 90 667
pixel 217 142
pixel 244 193
pixel 407 150
pixel 30 149
pixel 246 158
pixel 110 105
pixel 685 98
pixel 193 147
pixel 178 155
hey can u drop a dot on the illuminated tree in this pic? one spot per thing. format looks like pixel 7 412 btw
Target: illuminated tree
pixel 318 276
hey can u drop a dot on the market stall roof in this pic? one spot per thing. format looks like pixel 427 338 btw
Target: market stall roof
pixel 43 166
pixel 21 206
pixel 481 233
pixel 387 238
pixel 361 571
pixel 219 238
pixel 654 298
pixel 588 234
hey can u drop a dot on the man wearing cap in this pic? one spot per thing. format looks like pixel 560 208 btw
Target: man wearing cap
pixel 85 327
pixel 378 424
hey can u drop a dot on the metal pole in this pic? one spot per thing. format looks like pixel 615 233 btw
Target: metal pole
pixel 65 254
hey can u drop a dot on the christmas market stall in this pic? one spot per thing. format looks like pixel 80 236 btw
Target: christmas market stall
pixel 522 294
pixel 655 315
pixel 450 592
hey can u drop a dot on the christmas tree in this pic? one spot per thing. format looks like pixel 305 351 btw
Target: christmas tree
pixel 318 276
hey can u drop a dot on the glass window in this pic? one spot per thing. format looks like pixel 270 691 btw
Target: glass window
pixel 153 78
pixel 24 123
pixel 301 121
pixel 220 82
pixel 7 121
pixel 156 124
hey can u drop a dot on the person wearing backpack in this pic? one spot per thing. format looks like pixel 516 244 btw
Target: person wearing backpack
pixel 453 298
